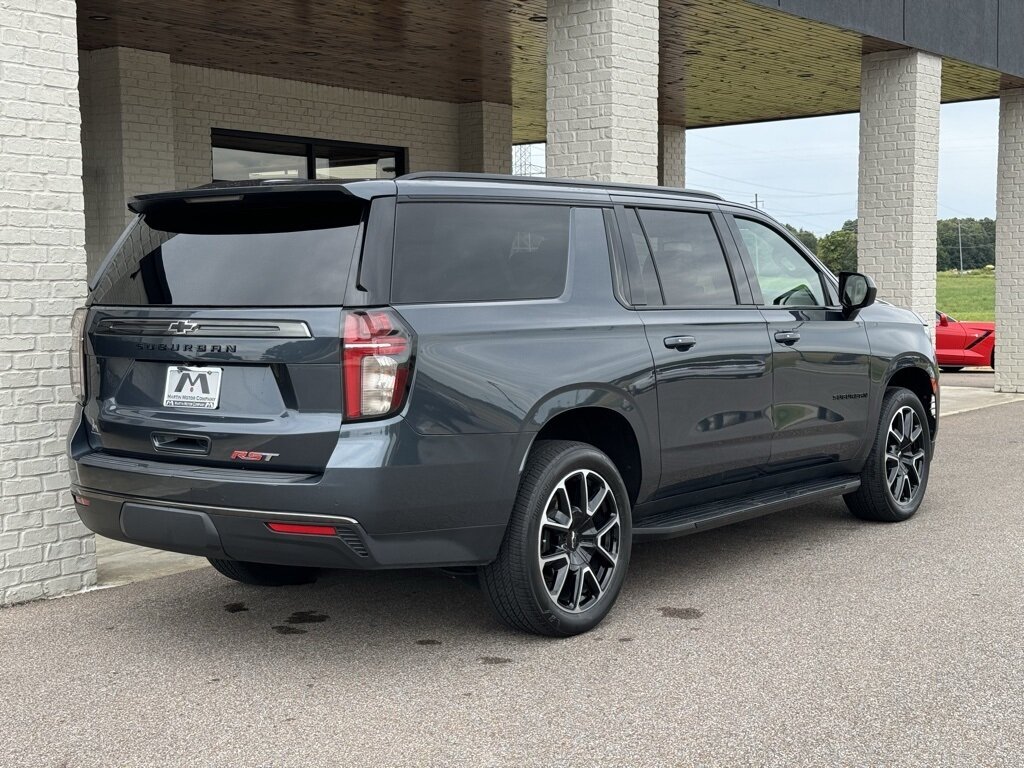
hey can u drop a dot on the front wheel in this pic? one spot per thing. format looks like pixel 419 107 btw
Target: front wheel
pixel 564 556
pixel 895 476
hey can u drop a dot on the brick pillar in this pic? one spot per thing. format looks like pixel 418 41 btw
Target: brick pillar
pixel 671 155
pixel 44 549
pixel 602 90
pixel 485 137
pixel 127 137
pixel 1010 244
pixel 899 162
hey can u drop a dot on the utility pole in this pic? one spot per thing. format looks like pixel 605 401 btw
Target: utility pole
pixel 960 239
pixel 757 201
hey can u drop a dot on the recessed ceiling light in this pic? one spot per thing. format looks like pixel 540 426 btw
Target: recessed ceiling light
pixel 538 19
pixel 100 18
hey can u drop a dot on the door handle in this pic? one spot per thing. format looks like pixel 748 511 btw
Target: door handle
pixel 787 337
pixel 681 343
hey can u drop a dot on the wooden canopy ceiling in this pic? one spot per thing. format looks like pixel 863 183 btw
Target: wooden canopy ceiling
pixel 722 61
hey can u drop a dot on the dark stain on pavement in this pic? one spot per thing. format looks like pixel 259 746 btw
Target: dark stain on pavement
pixel 625 639
pixel 681 613
pixel 495 660
pixel 428 641
pixel 284 629
pixel 235 607
pixel 307 617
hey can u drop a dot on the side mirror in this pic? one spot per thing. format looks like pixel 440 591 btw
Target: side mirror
pixel 856 291
pixel 943 319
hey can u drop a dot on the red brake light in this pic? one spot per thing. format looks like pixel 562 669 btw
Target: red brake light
pixel 306 528
pixel 376 358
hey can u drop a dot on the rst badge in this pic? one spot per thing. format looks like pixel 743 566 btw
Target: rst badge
pixel 253 456
pixel 192 387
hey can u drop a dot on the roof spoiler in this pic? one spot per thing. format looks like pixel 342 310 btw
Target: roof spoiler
pixel 266 191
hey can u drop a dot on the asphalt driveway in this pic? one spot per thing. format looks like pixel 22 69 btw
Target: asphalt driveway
pixel 805 638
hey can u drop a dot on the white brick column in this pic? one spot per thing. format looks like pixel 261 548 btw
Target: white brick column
pixel 485 137
pixel 602 90
pixel 1010 244
pixel 127 137
pixel 671 155
pixel 899 161
pixel 44 549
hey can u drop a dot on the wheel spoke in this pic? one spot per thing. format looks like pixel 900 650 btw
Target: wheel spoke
pixel 559 585
pixel 594 504
pixel 916 433
pixel 596 585
pixel 892 478
pixel 547 560
pixel 577 594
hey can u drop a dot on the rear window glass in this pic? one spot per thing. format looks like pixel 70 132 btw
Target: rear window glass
pixel 303 267
pixel 447 252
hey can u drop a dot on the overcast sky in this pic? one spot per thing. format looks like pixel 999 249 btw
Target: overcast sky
pixel 805 171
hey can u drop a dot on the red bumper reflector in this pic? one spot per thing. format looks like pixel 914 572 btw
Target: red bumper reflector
pixel 81 500
pixel 306 528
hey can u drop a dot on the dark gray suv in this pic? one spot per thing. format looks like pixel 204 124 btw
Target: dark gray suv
pixel 505 377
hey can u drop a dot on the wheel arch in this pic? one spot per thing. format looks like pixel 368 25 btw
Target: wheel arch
pixel 920 376
pixel 612 422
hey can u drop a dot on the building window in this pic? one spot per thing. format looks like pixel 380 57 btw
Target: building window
pixel 245 156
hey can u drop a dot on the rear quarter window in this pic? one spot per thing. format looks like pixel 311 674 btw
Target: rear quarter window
pixel 451 252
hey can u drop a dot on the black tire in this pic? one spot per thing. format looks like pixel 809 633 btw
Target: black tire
pixel 264 574
pixel 529 596
pixel 951 368
pixel 876 499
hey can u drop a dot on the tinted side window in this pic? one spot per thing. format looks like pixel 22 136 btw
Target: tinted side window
pixel 479 252
pixel 689 257
pixel 649 290
pixel 785 276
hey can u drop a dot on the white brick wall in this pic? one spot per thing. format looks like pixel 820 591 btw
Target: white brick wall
pixel 127 135
pixel 485 137
pixel 899 158
pixel 44 549
pixel 671 156
pixel 1010 244
pixel 602 90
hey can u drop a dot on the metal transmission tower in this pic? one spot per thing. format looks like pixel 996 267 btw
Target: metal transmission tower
pixel 524 160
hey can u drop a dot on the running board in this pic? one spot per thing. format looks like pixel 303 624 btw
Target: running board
pixel 680 522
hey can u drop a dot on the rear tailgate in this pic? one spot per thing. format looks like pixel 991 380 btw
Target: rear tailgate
pixel 214 331
pixel 260 388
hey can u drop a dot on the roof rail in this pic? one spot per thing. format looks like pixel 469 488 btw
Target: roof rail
pixel 508 179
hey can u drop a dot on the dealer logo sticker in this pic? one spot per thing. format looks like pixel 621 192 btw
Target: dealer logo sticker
pixel 192 387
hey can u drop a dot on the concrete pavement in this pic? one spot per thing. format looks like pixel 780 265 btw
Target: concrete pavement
pixel 804 638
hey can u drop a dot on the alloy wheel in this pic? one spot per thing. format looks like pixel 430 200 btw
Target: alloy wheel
pixel 905 455
pixel 579 541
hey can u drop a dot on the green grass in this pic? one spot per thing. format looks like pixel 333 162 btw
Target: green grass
pixel 967 296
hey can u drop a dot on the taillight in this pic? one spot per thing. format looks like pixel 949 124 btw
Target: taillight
pixel 376 358
pixel 78 354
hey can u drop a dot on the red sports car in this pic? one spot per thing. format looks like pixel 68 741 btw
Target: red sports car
pixel 958 345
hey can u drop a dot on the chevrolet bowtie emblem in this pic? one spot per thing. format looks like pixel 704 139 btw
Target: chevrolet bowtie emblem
pixel 181 327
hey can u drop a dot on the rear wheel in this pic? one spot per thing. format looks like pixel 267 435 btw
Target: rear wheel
pixel 565 553
pixel 264 574
pixel 895 477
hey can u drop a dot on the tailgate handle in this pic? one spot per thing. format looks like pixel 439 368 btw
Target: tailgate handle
pixel 170 442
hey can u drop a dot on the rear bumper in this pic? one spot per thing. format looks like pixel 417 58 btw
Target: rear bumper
pixel 243 534
pixel 397 499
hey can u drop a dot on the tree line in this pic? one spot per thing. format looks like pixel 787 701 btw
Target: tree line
pixel 838 250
